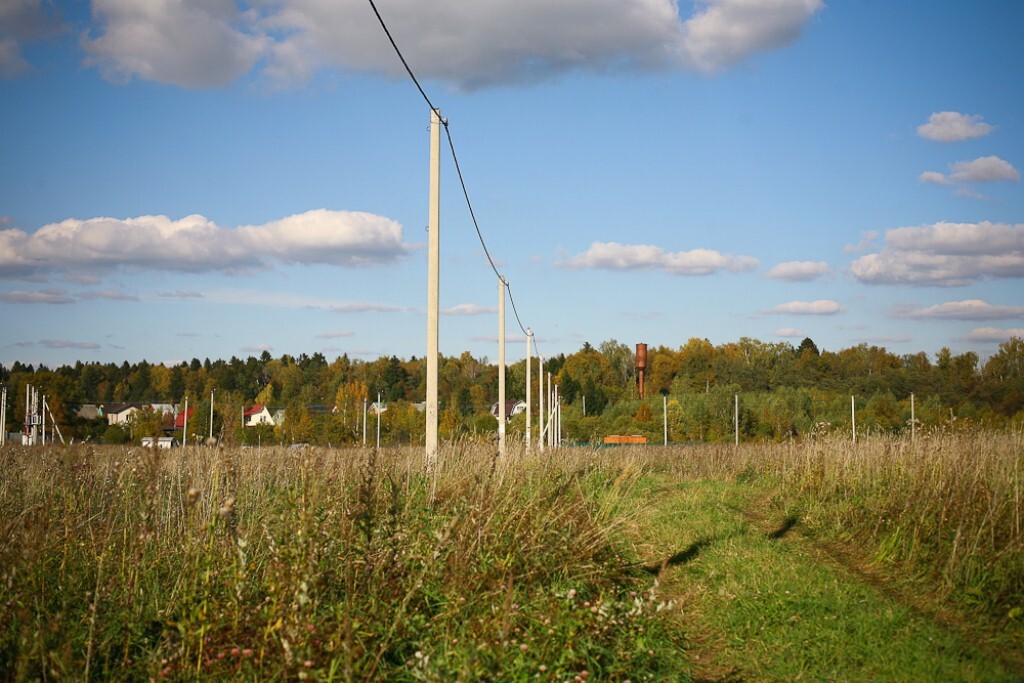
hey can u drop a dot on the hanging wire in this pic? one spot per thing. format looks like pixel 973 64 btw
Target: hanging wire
pixel 455 158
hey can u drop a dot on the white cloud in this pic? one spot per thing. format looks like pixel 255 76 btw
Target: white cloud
pixel 615 256
pixel 952 126
pixel 207 43
pixel 109 295
pixel 789 332
pixel 42 296
pixel 367 307
pixel 336 335
pixel 66 344
pixel 197 244
pixel 23 21
pixel 945 254
pixel 191 43
pixel 988 169
pixel 799 271
pixel 968 309
pixel 995 334
pixel 469 309
pixel 724 32
pixel 257 348
pixel 819 307
pixel 867 242
pixel 180 294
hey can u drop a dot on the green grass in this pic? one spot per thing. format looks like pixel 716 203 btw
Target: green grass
pixel 762 606
pixel 820 560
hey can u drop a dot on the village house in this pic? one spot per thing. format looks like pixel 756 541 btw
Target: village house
pixel 259 414
pixel 512 408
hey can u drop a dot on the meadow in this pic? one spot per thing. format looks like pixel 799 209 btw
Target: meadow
pixel 357 564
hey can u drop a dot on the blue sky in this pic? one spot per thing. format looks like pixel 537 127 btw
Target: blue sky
pixel 186 179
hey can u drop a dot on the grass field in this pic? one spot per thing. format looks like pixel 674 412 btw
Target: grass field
pixel 888 560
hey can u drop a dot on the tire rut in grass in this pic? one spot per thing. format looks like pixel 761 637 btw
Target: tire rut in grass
pixel 761 600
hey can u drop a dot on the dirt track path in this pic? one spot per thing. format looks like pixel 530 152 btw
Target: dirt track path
pixel 761 602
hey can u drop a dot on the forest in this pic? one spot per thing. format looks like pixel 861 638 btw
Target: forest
pixel 696 392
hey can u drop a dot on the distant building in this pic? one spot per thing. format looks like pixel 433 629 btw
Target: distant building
pixel 119 413
pixel 160 442
pixel 258 415
pixel 512 408
pixel 182 417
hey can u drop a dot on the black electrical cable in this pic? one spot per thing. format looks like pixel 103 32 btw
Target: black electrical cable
pixel 455 158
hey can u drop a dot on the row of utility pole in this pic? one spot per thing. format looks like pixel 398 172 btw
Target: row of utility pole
pixel 549 432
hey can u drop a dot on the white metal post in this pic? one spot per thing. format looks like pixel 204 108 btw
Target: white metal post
pixel 853 418
pixel 378 420
pixel 184 428
pixel 556 405
pixel 364 420
pixel 736 417
pixel 540 398
pixel 211 414
pixel 501 367
pixel 529 407
pixel 433 287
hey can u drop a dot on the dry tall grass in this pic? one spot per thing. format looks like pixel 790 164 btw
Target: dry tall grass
pixel 329 565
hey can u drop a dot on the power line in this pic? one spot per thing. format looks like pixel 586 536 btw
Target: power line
pixel 455 159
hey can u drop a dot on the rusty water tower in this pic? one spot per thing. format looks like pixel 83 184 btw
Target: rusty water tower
pixel 641 367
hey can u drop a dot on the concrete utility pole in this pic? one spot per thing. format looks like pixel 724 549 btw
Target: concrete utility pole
pixel 211 413
pixel 433 282
pixel 184 428
pixel 540 397
pixel 501 367
pixel 529 407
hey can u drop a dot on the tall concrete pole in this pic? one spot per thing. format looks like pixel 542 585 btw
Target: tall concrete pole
pixel 529 406
pixel 540 397
pixel 433 282
pixel 501 367
pixel 184 426
pixel 211 414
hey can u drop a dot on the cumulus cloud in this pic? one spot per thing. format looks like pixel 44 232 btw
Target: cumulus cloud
pixel 42 296
pixel 988 169
pixel 945 255
pixel 469 309
pixel 199 43
pixel 819 307
pixel 191 43
pixel 995 334
pixel 615 256
pixel 952 126
pixel 867 242
pixel 197 244
pixel 799 271
pixel 968 309
pixel 788 332
pixel 21 22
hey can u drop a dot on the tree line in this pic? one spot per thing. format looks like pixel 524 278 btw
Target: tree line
pixel 785 391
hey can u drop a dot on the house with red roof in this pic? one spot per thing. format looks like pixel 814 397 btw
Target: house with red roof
pixel 258 415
